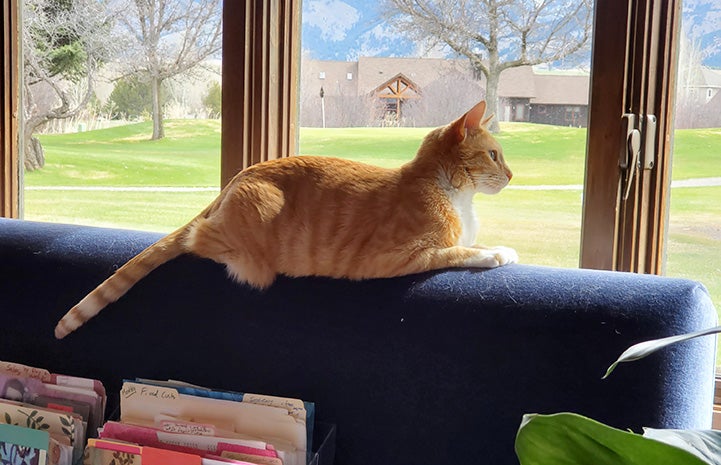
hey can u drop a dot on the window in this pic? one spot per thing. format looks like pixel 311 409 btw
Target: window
pixel 405 90
pixel 694 223
pixel 260 124
pixel 321 75
pixel 349 76
pixel 624 207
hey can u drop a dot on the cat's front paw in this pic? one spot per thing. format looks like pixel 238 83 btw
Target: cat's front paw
pixel 505 255
pixel 501 254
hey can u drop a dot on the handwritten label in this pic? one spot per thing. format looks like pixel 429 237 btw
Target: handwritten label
pixel 24 370
pixel 186 441
pixel 294 407
pixel 128 391
pixel 158 393
pixel 148 392
pixel 180 427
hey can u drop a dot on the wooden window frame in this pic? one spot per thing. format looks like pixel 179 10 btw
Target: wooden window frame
pixel 260 82
pixel 10 179
pixel 642 36
pixel 261 61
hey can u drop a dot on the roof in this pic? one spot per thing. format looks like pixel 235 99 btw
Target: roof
pixel 711 77
pixel 331 75
pixel 398 86
pixel 374 71
pixel 516 82
pixel 561 89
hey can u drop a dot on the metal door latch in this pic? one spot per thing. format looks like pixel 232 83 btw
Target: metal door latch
pixel 640 134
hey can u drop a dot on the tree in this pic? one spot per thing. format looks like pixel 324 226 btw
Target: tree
pixel 496 35
pixel 212 100
pixel 170 37
pixel 440 100
pixel 64 43
pixel 130 98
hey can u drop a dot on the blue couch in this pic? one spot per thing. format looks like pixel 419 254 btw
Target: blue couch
pixel 435 368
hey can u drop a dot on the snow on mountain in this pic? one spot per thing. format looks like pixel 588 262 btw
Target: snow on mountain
pixel 346 29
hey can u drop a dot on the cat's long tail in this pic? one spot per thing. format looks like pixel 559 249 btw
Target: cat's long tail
pixel 121 281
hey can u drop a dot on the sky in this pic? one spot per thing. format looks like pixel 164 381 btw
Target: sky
pixel 346 29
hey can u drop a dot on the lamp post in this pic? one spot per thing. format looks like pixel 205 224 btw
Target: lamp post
pixel 322 105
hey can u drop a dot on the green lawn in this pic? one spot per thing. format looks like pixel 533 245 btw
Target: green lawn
pixel 544 226
pixel 531 150
pixel 124 156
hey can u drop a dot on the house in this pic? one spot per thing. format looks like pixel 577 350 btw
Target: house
pixel 395 84
pixel 698 100
pixel 559 99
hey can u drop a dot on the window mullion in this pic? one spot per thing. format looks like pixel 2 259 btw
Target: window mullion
pixel 260 76
pixel 602 185
pixel 644 214
pixel 618 234
pixel 9 99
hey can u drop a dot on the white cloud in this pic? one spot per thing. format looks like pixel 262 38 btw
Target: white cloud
pixel 333 17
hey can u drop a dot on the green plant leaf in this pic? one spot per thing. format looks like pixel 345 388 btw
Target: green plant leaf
pixel 643 349
pixel 704 444
pixel 571 439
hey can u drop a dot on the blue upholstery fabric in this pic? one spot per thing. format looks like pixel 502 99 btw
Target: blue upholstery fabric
pixel 435 368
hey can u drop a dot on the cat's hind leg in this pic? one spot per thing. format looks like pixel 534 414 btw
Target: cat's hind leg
pixel 257 273
pixel 242 255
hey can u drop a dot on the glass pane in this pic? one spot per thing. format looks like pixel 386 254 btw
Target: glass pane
pixel 374 83
pixel 93 153
pixel 694 245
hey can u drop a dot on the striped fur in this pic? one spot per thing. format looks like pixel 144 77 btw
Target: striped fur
pixel 318 216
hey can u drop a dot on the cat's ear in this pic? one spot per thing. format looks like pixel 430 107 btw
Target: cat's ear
pixel 471 120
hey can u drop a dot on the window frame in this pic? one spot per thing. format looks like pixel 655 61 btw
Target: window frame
pixel 260 106
pixel 10 179
pixel 261 68
pixel 633 70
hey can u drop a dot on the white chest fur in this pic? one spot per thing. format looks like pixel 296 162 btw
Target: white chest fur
pixel 462 201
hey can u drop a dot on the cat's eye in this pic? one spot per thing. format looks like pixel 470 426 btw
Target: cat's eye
pixel 493 154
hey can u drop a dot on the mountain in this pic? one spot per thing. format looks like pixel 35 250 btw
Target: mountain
pixel 346 29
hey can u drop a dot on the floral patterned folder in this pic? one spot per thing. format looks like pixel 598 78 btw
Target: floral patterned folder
pixel 23 446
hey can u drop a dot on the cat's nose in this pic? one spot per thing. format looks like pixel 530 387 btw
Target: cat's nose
pixel 510 175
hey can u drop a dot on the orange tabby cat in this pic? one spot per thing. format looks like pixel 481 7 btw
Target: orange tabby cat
pixel 303 216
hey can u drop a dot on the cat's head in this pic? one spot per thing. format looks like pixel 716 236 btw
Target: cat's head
pixel 469 156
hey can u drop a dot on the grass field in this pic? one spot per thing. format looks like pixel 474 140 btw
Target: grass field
pixel 544 226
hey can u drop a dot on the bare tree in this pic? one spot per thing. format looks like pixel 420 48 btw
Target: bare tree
pixel 697 99
pixel 497 34
pixel 443 100
pixel 170 37
pixel 64 43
